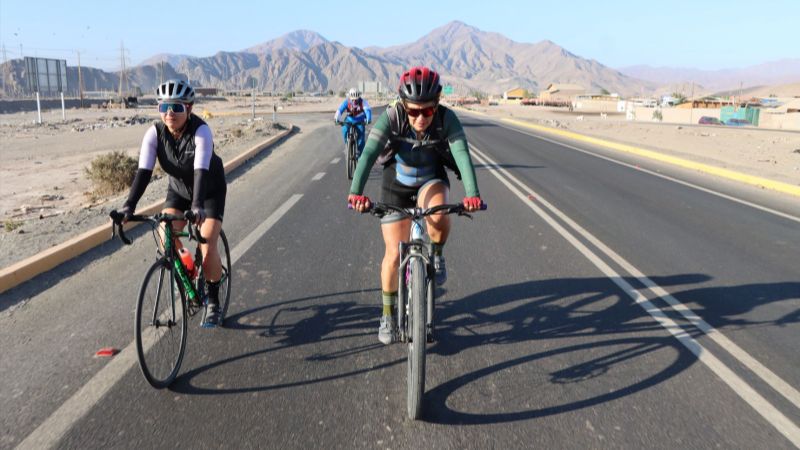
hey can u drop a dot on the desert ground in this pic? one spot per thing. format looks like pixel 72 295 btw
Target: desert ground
pixel 46 197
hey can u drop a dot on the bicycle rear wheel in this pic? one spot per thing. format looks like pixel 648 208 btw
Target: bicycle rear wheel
pixel 160 325
pixel 351 157
pixel 417 293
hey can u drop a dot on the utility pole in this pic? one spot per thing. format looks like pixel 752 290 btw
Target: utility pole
pixel 80 79
pixel 122 71
pixel 5 69
pixel 740 96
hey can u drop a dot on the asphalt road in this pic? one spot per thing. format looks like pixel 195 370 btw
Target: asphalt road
pixel 598 303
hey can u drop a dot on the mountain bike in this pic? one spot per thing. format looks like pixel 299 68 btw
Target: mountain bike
pixel 171 293
pixel 416 294
pixel 351 145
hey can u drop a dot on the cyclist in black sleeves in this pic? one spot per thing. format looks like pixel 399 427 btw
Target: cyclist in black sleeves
pixel 184 147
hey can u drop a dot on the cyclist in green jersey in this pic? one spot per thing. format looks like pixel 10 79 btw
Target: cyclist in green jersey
pixel 414 141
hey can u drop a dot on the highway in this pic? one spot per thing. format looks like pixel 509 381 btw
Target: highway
pixel 602 301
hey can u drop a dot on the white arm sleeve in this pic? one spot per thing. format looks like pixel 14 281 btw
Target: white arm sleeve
pixel 147 153
pixel 203 147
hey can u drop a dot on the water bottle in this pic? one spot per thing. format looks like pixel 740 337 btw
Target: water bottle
pixel 188 261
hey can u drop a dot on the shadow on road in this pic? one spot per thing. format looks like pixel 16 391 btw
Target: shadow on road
pixel 571 330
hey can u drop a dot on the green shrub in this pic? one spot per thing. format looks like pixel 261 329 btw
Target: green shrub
pixel 112 172
pixel 11 225
pixel 657 115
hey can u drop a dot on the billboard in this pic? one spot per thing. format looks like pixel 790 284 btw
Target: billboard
pixel 46 76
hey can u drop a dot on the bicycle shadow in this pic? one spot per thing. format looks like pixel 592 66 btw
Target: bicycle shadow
pixel 587 322
pixel 327 322
pixel 529 313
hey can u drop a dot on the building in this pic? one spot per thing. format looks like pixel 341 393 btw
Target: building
pixel 515 94
pixel 561 92
pixel 205 91
pixel 603 103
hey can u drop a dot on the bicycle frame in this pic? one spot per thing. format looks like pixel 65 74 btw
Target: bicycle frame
pixel 172 255
pixel 169 251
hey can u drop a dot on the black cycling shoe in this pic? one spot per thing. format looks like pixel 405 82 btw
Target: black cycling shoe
pixel 213 316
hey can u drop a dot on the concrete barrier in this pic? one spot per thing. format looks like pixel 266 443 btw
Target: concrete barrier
pixel 26 269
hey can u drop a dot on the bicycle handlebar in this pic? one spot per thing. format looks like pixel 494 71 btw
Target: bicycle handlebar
pixel 379 209
pixel 117 227
pixel 349 119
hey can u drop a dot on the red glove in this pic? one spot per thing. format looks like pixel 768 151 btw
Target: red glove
pixel 472 203
pixel 360 203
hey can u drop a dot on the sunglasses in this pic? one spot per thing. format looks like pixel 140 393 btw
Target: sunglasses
pixel 426 112
pixel 176 108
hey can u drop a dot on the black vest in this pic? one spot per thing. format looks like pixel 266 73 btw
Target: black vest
pixel 177 159
pixel 434 137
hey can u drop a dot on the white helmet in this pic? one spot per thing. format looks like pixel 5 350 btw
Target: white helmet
pixel 175 90
pixel 354 93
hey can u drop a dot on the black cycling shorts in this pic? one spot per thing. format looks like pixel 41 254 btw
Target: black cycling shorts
pixel 214 203
pixel 398 194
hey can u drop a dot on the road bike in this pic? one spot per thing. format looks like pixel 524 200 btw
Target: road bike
pixel 172 291
pixel 351 145
pixel 416 296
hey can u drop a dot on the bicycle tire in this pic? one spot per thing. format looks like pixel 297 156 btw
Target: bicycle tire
pixel 225 281
pixel 154 343
pixel 351 157
pixel 417 293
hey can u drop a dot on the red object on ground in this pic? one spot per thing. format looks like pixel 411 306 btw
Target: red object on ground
pixel 106 352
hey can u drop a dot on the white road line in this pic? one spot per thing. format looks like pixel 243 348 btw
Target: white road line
pixel 660 175
pixel 783 424
pixel 336 160
pixel 49 432
pixel 318 176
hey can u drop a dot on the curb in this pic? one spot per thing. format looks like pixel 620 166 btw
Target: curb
pixel 28 268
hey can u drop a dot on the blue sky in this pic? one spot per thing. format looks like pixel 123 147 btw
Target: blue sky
pixel 707 34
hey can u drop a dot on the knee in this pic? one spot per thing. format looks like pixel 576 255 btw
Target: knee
pixel 438 221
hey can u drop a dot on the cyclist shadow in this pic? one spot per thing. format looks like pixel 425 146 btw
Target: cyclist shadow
pixel 320 323
pixel 575 312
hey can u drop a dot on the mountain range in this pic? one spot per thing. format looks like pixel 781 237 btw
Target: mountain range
pixel 467 58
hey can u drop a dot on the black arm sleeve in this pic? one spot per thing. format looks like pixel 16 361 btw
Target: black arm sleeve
pixel 140 182
pixel 199 191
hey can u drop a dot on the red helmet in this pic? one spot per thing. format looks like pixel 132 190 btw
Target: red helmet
pixel 419 84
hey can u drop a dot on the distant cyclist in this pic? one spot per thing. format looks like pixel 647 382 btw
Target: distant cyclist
pixel 415 140
pixel 360 114
pixel 183 145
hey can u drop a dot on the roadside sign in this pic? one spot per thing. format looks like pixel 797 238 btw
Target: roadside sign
pixel 447 90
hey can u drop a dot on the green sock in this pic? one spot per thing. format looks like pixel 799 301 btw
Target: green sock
pixel 437 248
pixel 389 301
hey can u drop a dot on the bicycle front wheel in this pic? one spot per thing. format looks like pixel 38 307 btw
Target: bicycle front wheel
pixel 417 293
pixel 225 281
pixel 160 325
